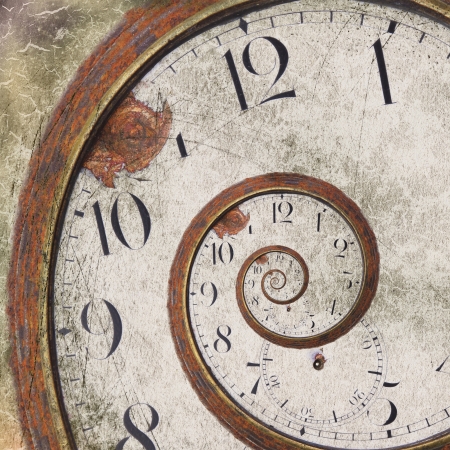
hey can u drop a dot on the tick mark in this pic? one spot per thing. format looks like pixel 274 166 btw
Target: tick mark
pixel 392 26
pixel 181 146
pixel 79 213
pixel 64 331
pixel 243 25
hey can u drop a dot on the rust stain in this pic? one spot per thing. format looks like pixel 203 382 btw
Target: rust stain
pixel 130 140
pixel 263 259
pixel 232 223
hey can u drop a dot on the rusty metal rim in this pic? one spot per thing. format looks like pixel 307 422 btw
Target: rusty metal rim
pixel 437 9
pixel 215 398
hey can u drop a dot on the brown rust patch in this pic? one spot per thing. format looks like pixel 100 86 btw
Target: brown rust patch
pixel 232 223
pixel 130 140
pixel 263 259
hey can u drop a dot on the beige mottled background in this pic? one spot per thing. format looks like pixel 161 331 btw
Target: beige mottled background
pixel 42 43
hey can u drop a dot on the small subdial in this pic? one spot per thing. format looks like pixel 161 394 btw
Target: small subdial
pixel 284 274
pixel 335 399
pixel 274 284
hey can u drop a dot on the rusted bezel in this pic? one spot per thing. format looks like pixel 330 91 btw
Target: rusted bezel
pixel 336 200
pixel 261 252
pixel 202 379
pixel 140 40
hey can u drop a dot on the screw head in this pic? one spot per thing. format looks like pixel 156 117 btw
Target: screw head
pixel 319 362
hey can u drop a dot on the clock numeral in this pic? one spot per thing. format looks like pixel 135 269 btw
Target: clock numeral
pixel 367 343
pixel 223 345
pixel 143 213
pixel 383 72
pixel 257 270
pixel 274 383
pixel 341 246
pixel 218 254
pixel 283 57
pixel 236 81
pixel 255 300
pixel 306 412
pixel 212 292
pixel 254 390
pixel 281 211
pixel 387 419
pixel 332 308
pixel 116 324
pixel 357 397
pixel 384 416
pixel 101 228
pixel 251 283
pixel 135 432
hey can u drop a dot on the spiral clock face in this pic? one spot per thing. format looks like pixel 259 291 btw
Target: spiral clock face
pixel 253 252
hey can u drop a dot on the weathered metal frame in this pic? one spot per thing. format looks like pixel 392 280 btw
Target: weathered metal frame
pixel 145 35
pixel 237 420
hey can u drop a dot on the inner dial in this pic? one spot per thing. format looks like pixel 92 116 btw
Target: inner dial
pixel 283 276
pixel 300 265
pixel 274 282
pixel 288 372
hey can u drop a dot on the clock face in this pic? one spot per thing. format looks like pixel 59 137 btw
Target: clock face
pixel 254 252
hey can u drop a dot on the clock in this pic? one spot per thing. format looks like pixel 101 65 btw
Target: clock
pixel 235 234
